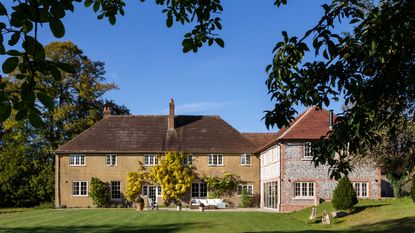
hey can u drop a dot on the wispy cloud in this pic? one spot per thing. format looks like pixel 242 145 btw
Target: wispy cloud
pixel 199 107
pixel 223 60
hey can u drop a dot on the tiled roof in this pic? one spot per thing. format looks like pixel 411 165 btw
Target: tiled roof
pixel 198 134
pixel 311 124
pixel 261 140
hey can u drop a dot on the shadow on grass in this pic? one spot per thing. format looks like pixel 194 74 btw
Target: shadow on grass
pixel 358 209
pixel 102 229
pixel 404 225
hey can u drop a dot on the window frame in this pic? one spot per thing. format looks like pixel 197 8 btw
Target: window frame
pixel 303 189
pixel 201 193
pixel 245 159
pixel 110 156
pixel 77 160
pixel 152 162
pixel 145 190
pixel 213 160
pixel 307 153
pixel 241 187
pixel 358 188
pixel 119 189
pixel 79 189
pixel 187 160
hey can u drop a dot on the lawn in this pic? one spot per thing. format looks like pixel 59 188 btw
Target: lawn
pixel 370 216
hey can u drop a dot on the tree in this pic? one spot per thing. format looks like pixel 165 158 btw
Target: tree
pixel 26 177
pixel 135 181
pixel 395 155
pixel 26 152
pixel 344 196
pixel 372 68
pixel 20 22
pixel 174 178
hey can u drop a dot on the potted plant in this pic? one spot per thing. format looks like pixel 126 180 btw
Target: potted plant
pixel 139 203
pixel 179 206
pixel 201 207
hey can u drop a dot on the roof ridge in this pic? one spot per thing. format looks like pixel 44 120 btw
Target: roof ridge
pixel 296 122
pixel 154 115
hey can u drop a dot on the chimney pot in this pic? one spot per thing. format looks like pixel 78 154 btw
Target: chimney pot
pixel 171 115
pixel 107 111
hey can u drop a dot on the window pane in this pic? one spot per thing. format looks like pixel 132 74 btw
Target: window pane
pixel 220 160
pixel 83 188
pixel 203 189
pixel 210 160
pixel 248 159
pixel 364 189
pixel 75 188
pixel 297 189
pixel 159 190
pixel 115 190
pixel 195 189
pixel 311 189
pixel 304 189
pixel 82 158
pixel 144 190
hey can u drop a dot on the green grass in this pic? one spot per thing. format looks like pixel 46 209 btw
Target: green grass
pixel 370 216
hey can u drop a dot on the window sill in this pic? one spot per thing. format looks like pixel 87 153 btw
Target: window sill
pixel 306 159
pixel 77 165
pixel 111 165
pixel 246 165
pixel 216 165
pixel 79 195
pixel 304 198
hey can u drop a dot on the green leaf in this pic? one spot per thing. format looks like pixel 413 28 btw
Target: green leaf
pixel 112 19
pixel 35 119
pixel 14 38
pixel 46 100
pixel 3 10
pixel 13 52
pixel 66 67
pixel 5 112
pixel 88 3
pixel 220 42
pixel 33 46
pixel 96 6
pixel 57 28
pixel 10 64
pixel 169 21
pixel 21 114
pixel 56 74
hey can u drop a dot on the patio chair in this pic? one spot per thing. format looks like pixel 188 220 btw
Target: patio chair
pixel 152 204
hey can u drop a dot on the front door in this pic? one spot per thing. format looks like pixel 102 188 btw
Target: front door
pixel 152 193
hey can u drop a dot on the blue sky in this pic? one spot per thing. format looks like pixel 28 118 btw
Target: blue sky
pixel 144 58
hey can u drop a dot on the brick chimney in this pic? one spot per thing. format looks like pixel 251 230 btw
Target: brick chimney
pixel 171 115
pixel 107 111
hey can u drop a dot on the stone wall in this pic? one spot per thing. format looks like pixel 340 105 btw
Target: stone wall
pixel 297 169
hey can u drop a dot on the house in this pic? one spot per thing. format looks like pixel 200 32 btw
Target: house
pixel 289 179
pixel 275 167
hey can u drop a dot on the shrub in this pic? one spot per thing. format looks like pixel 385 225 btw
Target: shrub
pixel 344 196
pixel 45 205
pixel 100 192
pixel 245 199
pixel 413 189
